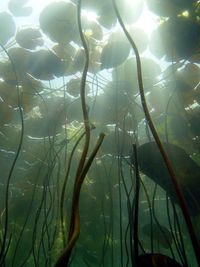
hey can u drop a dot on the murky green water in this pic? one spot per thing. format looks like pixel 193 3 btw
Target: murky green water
pixel 93 95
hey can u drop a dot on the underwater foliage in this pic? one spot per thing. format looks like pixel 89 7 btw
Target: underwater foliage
pixel 187 172
pixel 99 133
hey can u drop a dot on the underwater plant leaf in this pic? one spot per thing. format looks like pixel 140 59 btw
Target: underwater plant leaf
pixel 46 137
pixel 58 21
pixel 95 55
pixel 156 45
pixel 20 58
pixel 7 27
pixel 18 8
pixel 45 65
pixel 186 170
pixel 29 38
pixel 130 11
pixel 79 60
pixel 112 106
pixel 183 131
pixel 179 37
pixel 158 92
pixel 64 51
pixel 74 113
pixel 169 8
pixel 114 54
pixel 106 16
pixel 92 29
pixel 140 38
pixel 150 71
pixel 55 107
pixel 51 127
pixel 189 74
pixel 73 87
pixel 8 74
pixel 128 72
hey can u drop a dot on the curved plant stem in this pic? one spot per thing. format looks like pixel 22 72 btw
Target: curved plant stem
pixel 83 167
pixel 64 188
pixel 75 218
pixel 136 210
pixel 82 93
pixel 158 141
pixel 3 241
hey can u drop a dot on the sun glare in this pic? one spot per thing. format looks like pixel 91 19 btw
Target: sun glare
pixel 91 16
pixel 148 21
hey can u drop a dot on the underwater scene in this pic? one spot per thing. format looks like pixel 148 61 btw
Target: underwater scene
pixel 99 133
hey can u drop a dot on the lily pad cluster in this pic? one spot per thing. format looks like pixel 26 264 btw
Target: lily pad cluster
pixel 43 97
pixel 178 35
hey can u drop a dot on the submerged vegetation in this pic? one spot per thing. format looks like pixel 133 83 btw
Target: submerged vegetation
pixel 99 133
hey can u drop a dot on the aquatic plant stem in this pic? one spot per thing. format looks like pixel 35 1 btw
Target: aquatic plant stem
pixel 75 217
pixel 4 250
pixel 74 227
pixel 64 188
pixel 83 167
pixel 158 141
pixel 82 93
pixel 136 207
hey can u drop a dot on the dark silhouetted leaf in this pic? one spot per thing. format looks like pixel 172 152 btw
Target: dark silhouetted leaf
pixel 169 8
pixel 180 37
pixel 187 172
pixel 114 54
pixel 45 65
pixel 7 27
pixel 59 22
pixel 29 38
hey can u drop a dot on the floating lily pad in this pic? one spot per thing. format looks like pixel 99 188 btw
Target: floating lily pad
pixel 179 38
pixel 168 8
pixel 139 37
pixel 114 54
pixel 45 65
pixel 91 29
pixel 187 172
pixel 29 38
pixel 128 72
pixel 19 9
pixel 7 27
pixel 73 87
pixel 130 11
pixel 20 58
pixel 58 21
pixel 64 51
pixel 106 16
